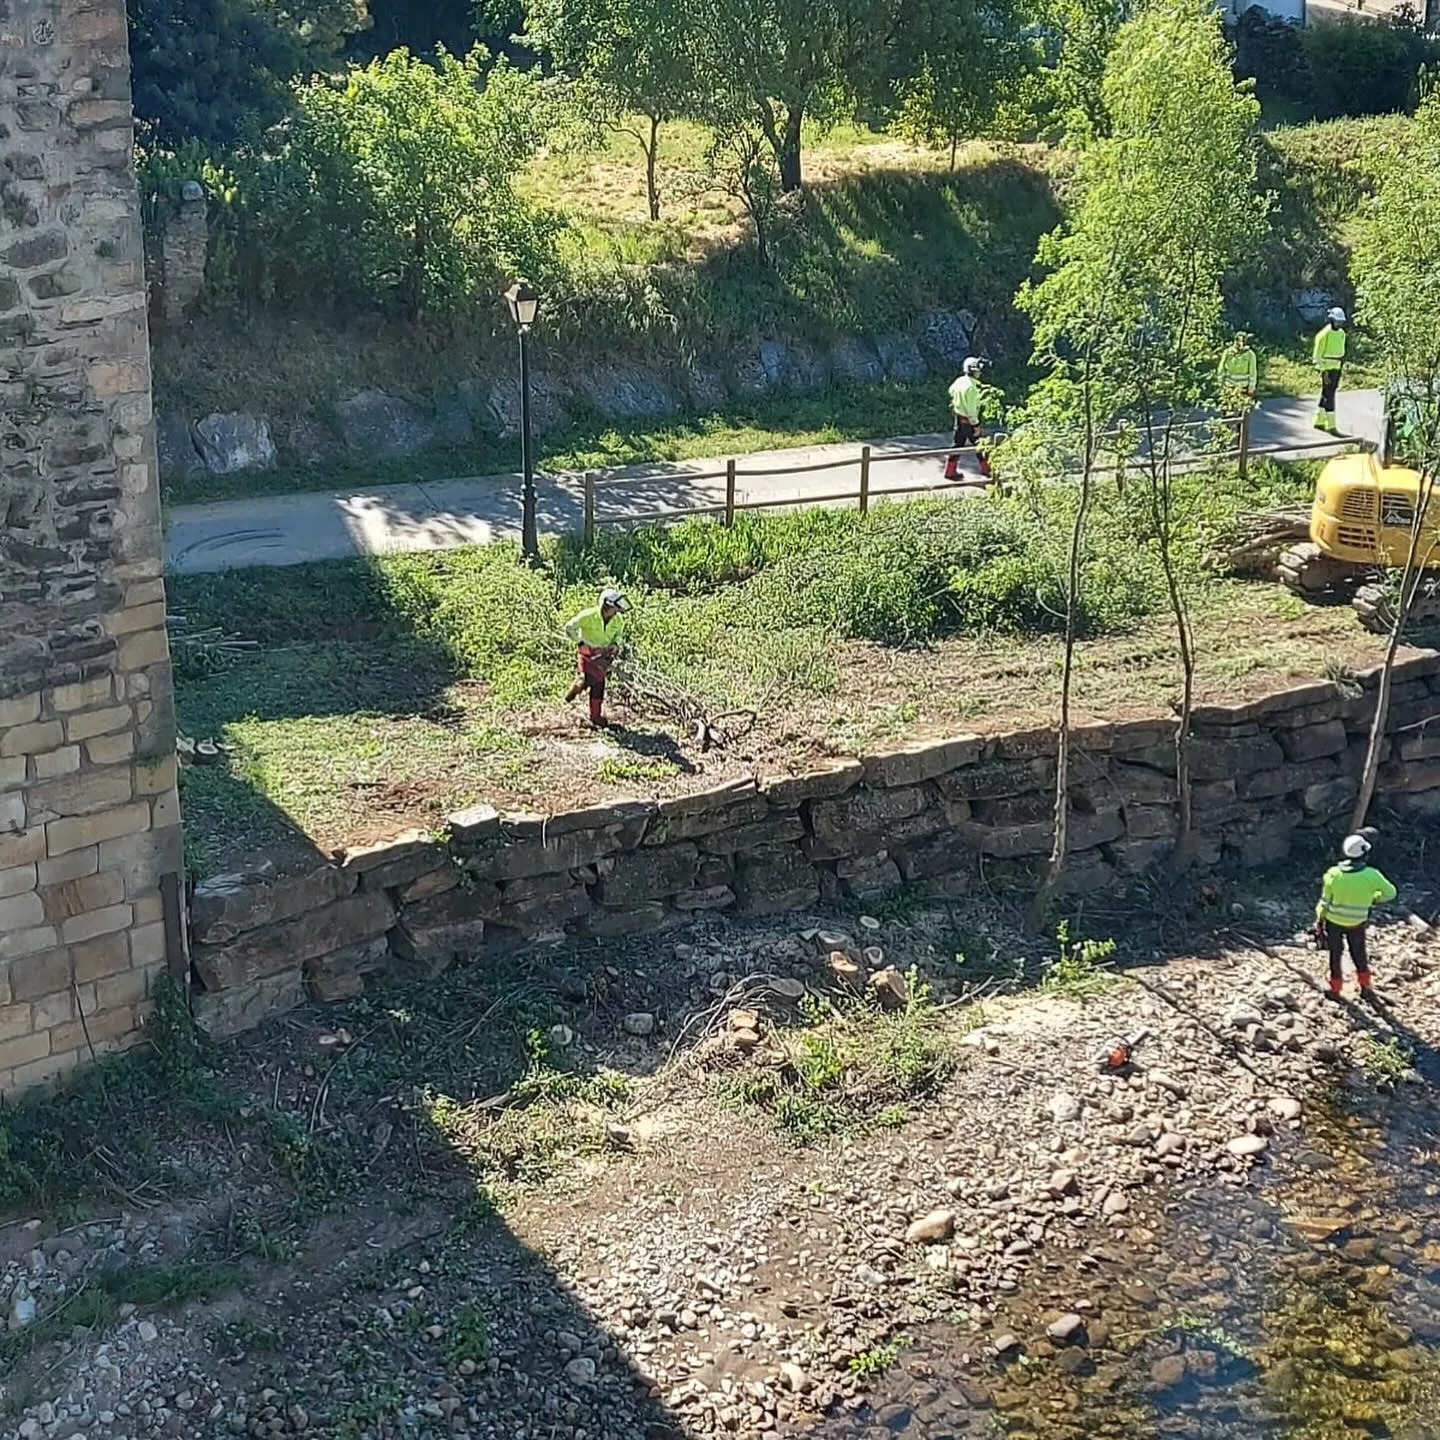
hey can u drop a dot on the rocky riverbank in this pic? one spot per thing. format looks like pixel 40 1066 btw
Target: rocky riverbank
pixel 679 1266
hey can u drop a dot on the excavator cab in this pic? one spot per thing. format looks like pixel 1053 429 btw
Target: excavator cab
pixel 1361 521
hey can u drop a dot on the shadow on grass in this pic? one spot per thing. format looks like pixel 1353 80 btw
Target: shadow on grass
pixel 336 658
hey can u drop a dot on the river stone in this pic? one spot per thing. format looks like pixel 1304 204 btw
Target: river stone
pixel 454 424
pixel 1063 1108
pixel 1168 1371
pixel 547 404
pixel 901 357
pixel 856 362
pixel 929 1229
pixel 1284 1107
pixel 175 446
pixel 705 389
pixel 1065 1328
pixel 1247 1145
pixel 641 1022
pixel 946 334
pixel 230 444
pixel 580 1371
pixel 1312 304
pixel 384 426
pixel 626 393
pixel 1117 1202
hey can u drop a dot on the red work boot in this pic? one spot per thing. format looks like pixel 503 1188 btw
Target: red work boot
pixel 951 466
pixel 1336 984
pixel 1362 979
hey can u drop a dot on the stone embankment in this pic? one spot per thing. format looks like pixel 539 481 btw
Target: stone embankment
pixel 953 813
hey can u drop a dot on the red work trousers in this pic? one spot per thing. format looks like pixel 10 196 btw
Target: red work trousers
pixel 594 671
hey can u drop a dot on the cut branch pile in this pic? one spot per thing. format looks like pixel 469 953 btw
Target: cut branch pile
pixel 652 693
pixel 1256 541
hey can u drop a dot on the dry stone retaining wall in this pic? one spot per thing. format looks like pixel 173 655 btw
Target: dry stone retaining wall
pixel 945 812
pixel 89 817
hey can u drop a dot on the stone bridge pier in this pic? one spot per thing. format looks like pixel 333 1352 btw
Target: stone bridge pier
pixel 91 869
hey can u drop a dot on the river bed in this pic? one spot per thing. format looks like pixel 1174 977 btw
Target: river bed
pixel 1305 1304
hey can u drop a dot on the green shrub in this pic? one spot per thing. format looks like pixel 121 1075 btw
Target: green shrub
pixel 1271 51
pixel 1365 67
pixel 494 616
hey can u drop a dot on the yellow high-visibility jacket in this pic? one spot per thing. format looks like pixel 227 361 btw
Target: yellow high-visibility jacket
pixel 965 398
pixel 588 628
pixel 1329 348
pixel 1346 894
pixel 1239 370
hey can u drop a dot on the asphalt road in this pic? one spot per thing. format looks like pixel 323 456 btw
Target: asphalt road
pixel 440 515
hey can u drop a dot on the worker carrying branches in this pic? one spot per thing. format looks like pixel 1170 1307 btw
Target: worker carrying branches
pixel 1347 893
pixel 965 402
pixel 597 634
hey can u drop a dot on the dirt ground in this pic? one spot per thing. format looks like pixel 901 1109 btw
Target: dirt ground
pixel 560 1201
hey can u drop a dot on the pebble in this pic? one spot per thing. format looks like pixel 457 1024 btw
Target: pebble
pixel 929 1229
pixel 1247 1145
pixel 1065 1328
pixel 640 1022
pixel 580 1370
pixel 1063 1108
pixel 1283 1107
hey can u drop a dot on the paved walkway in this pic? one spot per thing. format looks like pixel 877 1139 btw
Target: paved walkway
pixel 439 515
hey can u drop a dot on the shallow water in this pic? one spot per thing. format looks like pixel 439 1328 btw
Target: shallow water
pixel 1305 1305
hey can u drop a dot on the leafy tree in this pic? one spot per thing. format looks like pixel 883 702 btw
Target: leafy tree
pixel 631 58
pixel 1080 34
pixel 1396 266
pixel 220 70
pixel 400 179
pixel 777 63
pixel 1366 67
pixel 1126 320
pixel 975 63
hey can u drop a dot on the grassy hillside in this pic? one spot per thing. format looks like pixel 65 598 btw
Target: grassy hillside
pixel 883 233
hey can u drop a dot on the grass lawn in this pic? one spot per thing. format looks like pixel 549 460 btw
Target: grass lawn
pixel 389 692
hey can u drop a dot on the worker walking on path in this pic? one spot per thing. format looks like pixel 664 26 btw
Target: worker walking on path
pixel 965 399
pixel 1329 357
pixel 1239 374
pixel 597 634
pixel 1346 895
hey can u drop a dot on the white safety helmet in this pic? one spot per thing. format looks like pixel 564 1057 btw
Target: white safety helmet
pixel 612 598
pixel 1336 316
pixel 1356 847
pixel 973 365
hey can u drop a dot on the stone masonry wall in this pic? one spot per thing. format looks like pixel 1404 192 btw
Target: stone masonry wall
pixel 89 817
pixel 953 813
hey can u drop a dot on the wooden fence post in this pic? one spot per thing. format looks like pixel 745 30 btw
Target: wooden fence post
pixel 589 507
pixel 1244 458
pixel 864 479
pixel 729 492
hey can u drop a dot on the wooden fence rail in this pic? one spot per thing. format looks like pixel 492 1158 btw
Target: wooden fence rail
pixel 596 484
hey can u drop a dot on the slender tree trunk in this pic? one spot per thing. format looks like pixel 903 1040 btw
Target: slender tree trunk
pixel 1061 839
pixel 1410 579
pixel 1180 856
pixel 652 151
pixel 789 156
pixel 784 141
pixel 954 145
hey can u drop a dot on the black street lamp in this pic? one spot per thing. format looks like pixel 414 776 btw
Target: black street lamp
pixel 524 302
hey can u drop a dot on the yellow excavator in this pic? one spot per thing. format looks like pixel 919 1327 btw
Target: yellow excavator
pixel 1360 526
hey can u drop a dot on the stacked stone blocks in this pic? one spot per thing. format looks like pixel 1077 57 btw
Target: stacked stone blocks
pixel 89 815
pixel 955 814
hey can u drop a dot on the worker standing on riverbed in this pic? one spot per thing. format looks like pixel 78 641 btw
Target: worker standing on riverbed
pixel 1346 896
pixel 597 633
